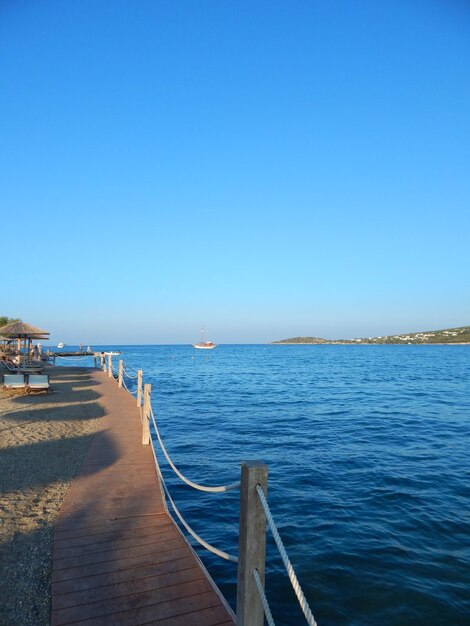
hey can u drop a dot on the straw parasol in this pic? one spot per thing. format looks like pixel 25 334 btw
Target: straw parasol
pixel 23 332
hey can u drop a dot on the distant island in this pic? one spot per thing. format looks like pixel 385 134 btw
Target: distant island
pixel 448 335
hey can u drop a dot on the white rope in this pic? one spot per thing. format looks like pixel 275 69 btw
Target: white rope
pixel 208 546
pixel 134 395
pixel 264 600
pixel 282 551
pixel 183 478
pixel 126 373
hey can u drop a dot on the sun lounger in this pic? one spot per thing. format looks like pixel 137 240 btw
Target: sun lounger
pixel 9 365
pixel 38 382
pixel 23 368
pixel 14 381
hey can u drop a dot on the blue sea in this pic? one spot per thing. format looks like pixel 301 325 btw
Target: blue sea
pixel 368 449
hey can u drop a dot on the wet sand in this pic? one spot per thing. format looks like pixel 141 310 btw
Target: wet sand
pixel 43 441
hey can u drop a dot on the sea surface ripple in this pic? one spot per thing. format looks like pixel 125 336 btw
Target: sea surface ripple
pixel 369 470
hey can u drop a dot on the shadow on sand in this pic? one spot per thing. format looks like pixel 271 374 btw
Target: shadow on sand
pixel 34 478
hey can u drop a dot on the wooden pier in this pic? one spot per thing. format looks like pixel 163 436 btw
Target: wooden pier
pixel 119 559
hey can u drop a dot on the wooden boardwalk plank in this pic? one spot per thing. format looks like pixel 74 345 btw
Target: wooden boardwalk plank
pixel 118 557
pixel 185 608
pixel 127 601
pixel 118 553
pixel 112 543
pixel 179 573
pixel 98 536
pixel 76 585
pixel 117 525
pixel 118 564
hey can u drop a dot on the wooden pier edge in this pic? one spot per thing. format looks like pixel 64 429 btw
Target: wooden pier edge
pixel 190 547
pixel 206 572
pixel 102 549
pixel 195 554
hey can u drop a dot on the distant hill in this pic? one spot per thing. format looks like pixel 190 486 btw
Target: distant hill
pixel 448 335
pixel 304 340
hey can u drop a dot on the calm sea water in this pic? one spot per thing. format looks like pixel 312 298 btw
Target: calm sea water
pixel 368 449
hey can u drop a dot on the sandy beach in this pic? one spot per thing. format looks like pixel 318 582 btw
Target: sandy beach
pixel 43 440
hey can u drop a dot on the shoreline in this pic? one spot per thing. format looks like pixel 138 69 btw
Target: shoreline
pixel 358 343
pixel 44 439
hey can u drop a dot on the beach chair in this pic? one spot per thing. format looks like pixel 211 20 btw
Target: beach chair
pixel 38 382
pixel 13 381
pixel 11 367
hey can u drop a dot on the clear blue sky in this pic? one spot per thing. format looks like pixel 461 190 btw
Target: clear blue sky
pixel 268 169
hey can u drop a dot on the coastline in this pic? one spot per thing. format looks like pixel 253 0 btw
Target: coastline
pixel 357 343
pixel 44 439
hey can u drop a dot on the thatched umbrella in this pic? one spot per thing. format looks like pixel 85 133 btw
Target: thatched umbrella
pixel 22 331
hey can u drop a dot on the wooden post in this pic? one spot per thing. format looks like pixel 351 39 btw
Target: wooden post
pixel 146 415
pixel 252 544
pixel 110 365
pixel 102 362
pixel 120 372
pixel 139 388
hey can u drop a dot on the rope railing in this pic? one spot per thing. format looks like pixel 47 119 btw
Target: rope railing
pixel 205 544
pixel 126 373
pixel 218 489
pixel 285 559
pixel 133 393
pixel 147 418
pixel 264 600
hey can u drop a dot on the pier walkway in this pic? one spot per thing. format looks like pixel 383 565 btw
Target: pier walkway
pixel 118 556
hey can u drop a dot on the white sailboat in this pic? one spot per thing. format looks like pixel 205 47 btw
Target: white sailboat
pixel 204 345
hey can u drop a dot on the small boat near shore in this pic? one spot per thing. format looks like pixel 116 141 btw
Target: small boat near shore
pixel 203 344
